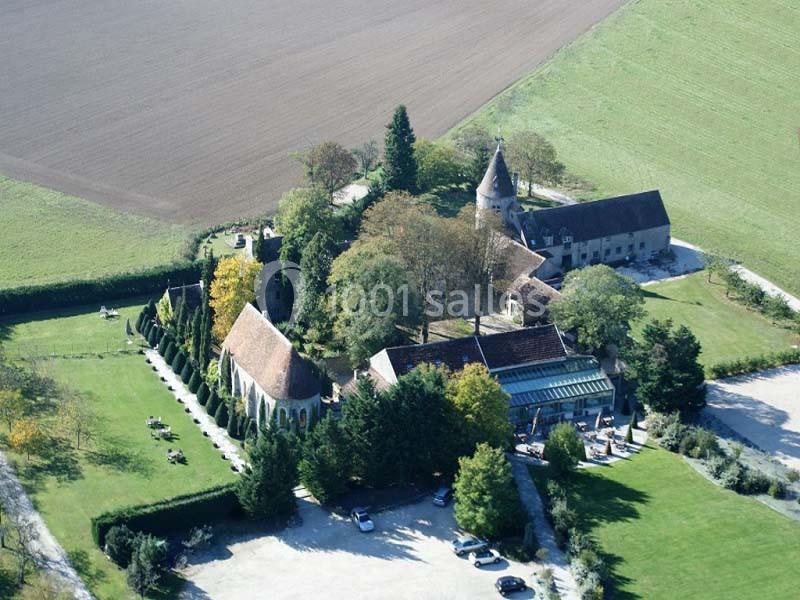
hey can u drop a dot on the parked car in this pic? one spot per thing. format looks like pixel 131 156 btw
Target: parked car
pixel 362 520
pixel 442 496
pixel 484 557
pixel 506 585
pixel 464 545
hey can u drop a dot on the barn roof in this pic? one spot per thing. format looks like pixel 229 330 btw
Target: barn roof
pixel 194 296
pixel 269 358
pixel 597 219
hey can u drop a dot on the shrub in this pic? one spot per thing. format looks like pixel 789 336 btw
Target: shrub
pixel 171 351
pixel 147 328
pixel 792 475
pixel 755 363
pixel 529 539
pixel 163 343
pixel 777 489
pixel 178 362
pixel 186 372
pixel 213 402
pixel 731 477
pixel 563 449
pixel 657 423
pixel 563 519
pixel 202 394
pixel 221 415
pixel 705 444
pixel 717 465
pixel 194 381
pixel 119 544
pixel 753 482
pixel 139 320
pixel 673 436
pixel 152 338
pixel 174 514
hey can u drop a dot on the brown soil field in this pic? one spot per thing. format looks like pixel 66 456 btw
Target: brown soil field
pixel 188 110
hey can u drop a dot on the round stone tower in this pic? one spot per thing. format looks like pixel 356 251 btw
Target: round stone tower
pixel 497 192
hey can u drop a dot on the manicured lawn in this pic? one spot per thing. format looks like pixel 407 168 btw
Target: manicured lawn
pixel 726 329
pixel 48 236
pixel 69 330
pixel 698 99
pixel 669 533
pixel 123 465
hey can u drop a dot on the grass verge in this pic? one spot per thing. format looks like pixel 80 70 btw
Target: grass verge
pixel 670 533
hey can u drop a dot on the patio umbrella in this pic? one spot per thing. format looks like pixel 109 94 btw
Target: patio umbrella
pixel 128 330
pixel 597 421
pixel 535 420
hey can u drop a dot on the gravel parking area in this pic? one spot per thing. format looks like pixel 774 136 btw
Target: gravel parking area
pixel 764 408
pixel 407 556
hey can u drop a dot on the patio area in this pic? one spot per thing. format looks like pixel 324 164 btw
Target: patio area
pixel 603 437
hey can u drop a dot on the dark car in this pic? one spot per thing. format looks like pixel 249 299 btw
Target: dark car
pixel 442 496
pixel 506 585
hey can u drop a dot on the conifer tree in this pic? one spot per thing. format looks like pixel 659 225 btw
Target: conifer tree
pixel 225 372
pixel 202 394
pixel 266 490
pixel 197 332
pixel 400 165
pixel 178 362
pixel 186 372
pixel 169 354
pixel 262 416
pixel 233 421
pixel 213 401
pixel 194 382
pixel 152 337
pixel 221 415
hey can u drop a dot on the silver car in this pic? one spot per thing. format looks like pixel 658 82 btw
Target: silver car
pixel 467 544
pixel 484 557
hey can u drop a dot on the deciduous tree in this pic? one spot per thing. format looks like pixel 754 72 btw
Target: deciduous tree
pixel 233 287
pixel 599 304
pixel 438 165
pixel 76 417
pixel 13 406
pixel 482 407
pixel 564 449
pixel 535 158
pixel 476 144
pixel 367 156
pixel 27 437
pixel 329 165
pixel 487 503
pixel 303 212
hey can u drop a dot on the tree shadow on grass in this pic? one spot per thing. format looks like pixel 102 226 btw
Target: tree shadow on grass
pixel 113 455
pixel 58 460
pixel 8 582
pixel 83 565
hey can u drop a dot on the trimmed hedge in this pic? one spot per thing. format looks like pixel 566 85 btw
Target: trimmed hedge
pixel 162 345
pixel 169 355
pixel 174 514
pixel 752 364
pixel 194 381
pixel 187 372
pixel 178 362
pixel 98 291
pixel 202 394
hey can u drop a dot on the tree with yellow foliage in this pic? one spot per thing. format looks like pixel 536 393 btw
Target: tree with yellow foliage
pixel 26 436
pixel 12 406
pixel 482 405
pixel 233 287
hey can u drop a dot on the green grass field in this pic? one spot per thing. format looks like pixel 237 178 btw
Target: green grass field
pixel 726 330
pixel 698 99
pixel 123 465
pixel 47 237
pixel 670 533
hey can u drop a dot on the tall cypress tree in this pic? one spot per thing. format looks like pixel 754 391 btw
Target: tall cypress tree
pixel 197 334
pixel 204 353
pixel 179 318
pixel 258 244
pixel 233 420
pixel 399 163
pixel 225 372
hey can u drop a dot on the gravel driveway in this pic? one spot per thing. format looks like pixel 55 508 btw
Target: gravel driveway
pixel 763 407
pixel 407 557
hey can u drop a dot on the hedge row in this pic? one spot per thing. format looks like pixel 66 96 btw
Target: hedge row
pixel 174 514
pixel 98 291
pixel 752 364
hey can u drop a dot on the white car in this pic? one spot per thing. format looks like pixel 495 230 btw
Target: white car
pixel 484 557
pixel 362 520
pixel 463 545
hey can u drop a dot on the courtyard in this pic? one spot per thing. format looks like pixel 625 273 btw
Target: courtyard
pixel 764 408
pixel 407 556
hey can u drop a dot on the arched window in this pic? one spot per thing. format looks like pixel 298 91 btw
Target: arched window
pixel 237 383
pixel 303 418
pixel 282 420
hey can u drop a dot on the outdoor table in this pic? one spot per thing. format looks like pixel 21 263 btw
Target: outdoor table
pixel 581 425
